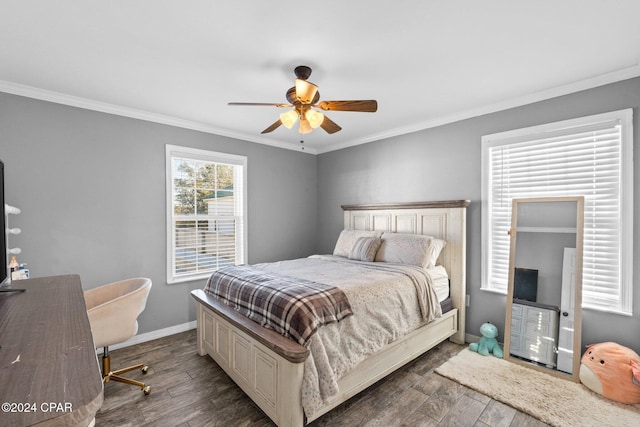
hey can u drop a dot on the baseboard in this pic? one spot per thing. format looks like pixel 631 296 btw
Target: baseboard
pixel 471 338
pixel 153 335
pixel 474 338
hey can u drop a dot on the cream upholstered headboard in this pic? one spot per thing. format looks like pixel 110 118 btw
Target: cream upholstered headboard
pixel 444 220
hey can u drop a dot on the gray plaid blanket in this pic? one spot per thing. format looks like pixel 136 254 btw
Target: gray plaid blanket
pixel 295 308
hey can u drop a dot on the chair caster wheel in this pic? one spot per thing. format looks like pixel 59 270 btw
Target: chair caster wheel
pixel 145 369
pixel 146 390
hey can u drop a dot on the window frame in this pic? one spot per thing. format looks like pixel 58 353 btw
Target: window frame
pixel 174 151
pixel 625 119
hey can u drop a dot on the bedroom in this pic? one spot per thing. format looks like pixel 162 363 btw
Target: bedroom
pixel 91 185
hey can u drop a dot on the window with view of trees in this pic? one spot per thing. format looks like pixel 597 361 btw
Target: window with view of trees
pixel 205 212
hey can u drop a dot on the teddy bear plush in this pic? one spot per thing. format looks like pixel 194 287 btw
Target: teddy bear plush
pixel 488 343
pixel 611 370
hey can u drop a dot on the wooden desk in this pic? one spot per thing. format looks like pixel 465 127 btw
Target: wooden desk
pixel 49 373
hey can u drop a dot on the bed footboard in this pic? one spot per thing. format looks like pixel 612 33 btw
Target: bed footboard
pixel 271 374
pixel 269 378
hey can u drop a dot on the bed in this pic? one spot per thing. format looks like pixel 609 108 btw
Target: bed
pixel 274 371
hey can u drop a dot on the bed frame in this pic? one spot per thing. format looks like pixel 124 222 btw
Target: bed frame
pixel 269 367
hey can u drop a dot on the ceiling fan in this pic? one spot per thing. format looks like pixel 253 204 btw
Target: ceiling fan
pixel 304 101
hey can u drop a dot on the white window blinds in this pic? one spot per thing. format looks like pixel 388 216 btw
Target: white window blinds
pixel 205 212
pixel 590 157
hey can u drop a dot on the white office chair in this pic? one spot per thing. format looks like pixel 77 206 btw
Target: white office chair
pixel 113 312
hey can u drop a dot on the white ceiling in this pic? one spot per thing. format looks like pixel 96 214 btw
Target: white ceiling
pixel 425 62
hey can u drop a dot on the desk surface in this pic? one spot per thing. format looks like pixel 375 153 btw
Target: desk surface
pixel 49 371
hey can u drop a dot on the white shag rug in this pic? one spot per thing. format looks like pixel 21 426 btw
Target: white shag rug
pixel 553 400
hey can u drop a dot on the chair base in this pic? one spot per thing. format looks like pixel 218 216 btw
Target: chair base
pixel 109 375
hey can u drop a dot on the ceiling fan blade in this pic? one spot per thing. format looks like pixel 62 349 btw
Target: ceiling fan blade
pixel 366 106
pixel 329 125
pixel 273 127
pixel 261 104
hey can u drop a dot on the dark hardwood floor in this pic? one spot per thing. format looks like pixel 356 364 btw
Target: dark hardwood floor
pixel 188 390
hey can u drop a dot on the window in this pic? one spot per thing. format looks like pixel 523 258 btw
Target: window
pixel 206 217
pixel 590 157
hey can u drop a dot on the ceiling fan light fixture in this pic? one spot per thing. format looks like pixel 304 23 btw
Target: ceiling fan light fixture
pixel 305 91
pixel 304 98
pixel 289 118
pixel 315 118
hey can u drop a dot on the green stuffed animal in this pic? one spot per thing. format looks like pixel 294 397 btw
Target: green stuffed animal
pixel 488 343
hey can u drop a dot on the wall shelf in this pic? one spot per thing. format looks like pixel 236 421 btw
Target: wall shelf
pixel 567 230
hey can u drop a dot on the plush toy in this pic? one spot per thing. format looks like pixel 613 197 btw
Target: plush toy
pixel 488 343
pixel 612 371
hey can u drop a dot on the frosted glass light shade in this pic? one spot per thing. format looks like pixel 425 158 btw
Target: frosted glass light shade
pixel 315 118
pixel 305 91
pixel 305 127
pixel 289 118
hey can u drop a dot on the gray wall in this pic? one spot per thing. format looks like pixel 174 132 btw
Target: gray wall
pixel 91 187
pixel 443 163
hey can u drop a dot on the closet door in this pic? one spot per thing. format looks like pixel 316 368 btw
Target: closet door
pixel 567 311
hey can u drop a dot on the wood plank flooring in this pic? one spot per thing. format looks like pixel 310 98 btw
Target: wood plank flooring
pixel 188 390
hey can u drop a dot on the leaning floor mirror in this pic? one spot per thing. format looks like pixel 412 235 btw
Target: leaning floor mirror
pixel 543 316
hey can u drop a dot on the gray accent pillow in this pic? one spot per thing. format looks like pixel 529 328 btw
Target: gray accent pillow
pixel 348 238
pixel 365 249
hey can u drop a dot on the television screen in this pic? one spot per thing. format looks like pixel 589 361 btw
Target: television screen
pixel 3 230
pixel 525 284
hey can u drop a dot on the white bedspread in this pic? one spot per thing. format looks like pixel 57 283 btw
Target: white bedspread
pixel 388 301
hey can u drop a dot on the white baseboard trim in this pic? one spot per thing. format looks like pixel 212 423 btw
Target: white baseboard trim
pixel 153 335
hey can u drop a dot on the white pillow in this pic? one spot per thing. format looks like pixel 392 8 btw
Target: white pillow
pixel 437 245
pixel 412 249
pixel 348 238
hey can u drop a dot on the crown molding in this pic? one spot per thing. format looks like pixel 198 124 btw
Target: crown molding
pixel 601 80
pixel 89 104
pixel 103 107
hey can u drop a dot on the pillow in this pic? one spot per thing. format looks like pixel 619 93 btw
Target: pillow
pixel 365 249
pixel 412 249
pixel 348 238
pixel 437 245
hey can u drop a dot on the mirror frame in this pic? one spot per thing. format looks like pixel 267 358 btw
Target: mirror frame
pixel 577 335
